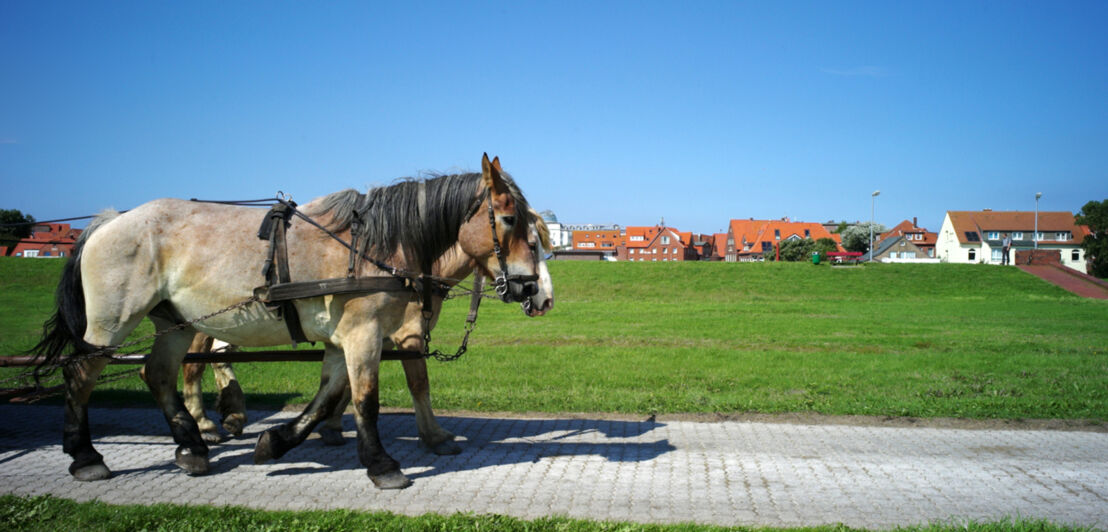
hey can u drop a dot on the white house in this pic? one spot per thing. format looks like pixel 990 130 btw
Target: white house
pixel 976 236
pixel 560 236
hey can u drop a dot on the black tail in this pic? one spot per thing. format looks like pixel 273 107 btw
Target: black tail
pixel 65 330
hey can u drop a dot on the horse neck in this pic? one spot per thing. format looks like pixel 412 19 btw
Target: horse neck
pixel 454 265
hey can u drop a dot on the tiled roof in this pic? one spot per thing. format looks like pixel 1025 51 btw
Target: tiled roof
pixel 754 232
pixel 1050 223
pixel 905 227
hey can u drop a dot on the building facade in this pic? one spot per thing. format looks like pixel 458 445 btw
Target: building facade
pixel 976 236
pixel 47 240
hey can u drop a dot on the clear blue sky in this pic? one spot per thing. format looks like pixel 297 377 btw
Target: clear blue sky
pixel 605 112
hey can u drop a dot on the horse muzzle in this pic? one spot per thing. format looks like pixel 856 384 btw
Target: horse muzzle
pixel 516 288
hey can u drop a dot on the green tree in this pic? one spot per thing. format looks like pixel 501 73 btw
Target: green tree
pixel 824 246
pixel 1095 215
pixel 14 226
pixel 856 237
pixel 796 249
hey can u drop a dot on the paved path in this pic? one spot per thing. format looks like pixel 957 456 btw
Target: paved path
pixel 728 473
pixel 1077 283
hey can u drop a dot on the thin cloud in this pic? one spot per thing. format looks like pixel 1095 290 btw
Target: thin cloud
pixel 860 71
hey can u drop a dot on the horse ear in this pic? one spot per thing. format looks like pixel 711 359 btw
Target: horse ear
pixel 496 164
pixel 490 172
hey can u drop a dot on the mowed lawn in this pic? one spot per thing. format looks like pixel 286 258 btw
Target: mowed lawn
pixel 926 340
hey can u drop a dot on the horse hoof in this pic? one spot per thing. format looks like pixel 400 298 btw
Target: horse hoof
pixel 92 472
pixel 211 436
pixel 234 424
pixel 192 463
pixel 393 480
pixel 444 448
pixel 269 447
pixel 331 436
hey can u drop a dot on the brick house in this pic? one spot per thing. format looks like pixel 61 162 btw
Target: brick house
pixel 750 240
pixel 46 240
pixel 657 244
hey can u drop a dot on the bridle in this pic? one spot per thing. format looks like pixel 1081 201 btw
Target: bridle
pixel 517 288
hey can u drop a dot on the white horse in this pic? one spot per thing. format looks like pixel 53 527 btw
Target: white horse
pixel 178 261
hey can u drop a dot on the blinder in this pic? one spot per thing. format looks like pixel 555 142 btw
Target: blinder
pixel 510 288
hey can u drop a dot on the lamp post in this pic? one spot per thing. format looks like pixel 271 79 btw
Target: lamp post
pixel 872 208
pixel 1035 236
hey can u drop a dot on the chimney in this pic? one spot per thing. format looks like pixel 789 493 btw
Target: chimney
pixel 914 224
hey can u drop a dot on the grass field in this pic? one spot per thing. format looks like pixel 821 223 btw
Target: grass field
pixel 48 513
pixel 943 340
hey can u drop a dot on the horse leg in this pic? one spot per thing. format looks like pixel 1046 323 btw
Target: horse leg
pixel 362 363
pixel 80 377
pixel 334 369
pixel 231 402
pixel 277 441
pixel 161 377
pixel 439 440
pixel 192 375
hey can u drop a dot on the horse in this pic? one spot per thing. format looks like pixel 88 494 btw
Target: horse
pixel 231 405
pixel 161 260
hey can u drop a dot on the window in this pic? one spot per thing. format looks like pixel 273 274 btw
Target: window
pixel 892 255
pixel 807 233
pixel 931 252
pixel 665 240
pixel 993 235
pixel 1075 255
pixel 777 234
pixel 1017 235
pixel 30 253
pixel 971 236
pixel 1039 236
pixel 972 255
pixel 998 255
pixel 1064 235
pixel 586 244
pixel 636 238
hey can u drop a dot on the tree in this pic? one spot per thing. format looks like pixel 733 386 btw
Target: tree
pixel 796 249
pixel 14 226
pixel 825 245
pixel 1095 215
pixel 856 237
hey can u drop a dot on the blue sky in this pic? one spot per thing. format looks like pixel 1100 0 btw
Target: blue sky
pixel 605 112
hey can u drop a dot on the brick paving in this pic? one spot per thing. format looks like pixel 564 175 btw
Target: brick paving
pixel 726 473
pixel 1082 285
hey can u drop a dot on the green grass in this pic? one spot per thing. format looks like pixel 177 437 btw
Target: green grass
pixel 49 514
pixel 927 340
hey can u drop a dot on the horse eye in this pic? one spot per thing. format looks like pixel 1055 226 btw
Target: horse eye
pixel 508 220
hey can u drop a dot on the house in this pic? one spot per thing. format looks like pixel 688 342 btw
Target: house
pixel 657 244
pixel 749 240
pixel 596 237
pixel 900 248
pixel 47 240
pixel 975 236
pixel 920 239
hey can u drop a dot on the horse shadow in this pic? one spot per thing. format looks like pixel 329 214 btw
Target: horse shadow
pixel 485 442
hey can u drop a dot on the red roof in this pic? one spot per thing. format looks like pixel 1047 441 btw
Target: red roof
pixel 752 233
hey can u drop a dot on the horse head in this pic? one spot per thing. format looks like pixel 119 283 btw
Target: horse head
pixel 503 238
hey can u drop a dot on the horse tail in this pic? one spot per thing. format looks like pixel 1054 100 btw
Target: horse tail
pixel 65 330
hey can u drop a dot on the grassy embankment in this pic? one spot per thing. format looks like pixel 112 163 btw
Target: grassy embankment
pixel 892 340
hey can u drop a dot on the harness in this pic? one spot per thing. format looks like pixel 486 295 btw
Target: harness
pixel 279 291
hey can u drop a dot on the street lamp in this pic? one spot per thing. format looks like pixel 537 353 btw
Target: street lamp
pixel 872 208
pixel 1035 237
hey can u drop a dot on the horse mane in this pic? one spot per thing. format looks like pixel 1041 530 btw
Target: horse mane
pixel 392 217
